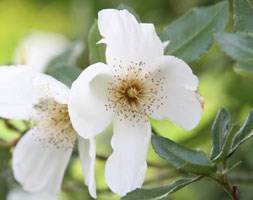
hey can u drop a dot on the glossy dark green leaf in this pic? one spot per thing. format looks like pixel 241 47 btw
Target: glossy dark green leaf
pixel 96 51
pixel 220 128
pixel 195 162
pixel 192 34
pixel 238 46
pixel 243 15
pixel 245 133
pixel 160 192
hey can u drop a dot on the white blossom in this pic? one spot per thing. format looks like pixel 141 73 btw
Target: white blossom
pixel 138 81
pixel 40 157
pixel 38 48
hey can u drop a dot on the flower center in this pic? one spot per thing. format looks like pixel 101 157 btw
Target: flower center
pixel 134 94
pixel 55 124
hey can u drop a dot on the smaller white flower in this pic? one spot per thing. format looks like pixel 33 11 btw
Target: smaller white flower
pixel 38 48
pixel 41 155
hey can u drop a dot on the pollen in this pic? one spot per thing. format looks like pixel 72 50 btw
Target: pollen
pixel 134 92
pixel 55 127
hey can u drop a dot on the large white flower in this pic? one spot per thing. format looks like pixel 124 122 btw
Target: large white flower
pixel 138 81
pixel 41 155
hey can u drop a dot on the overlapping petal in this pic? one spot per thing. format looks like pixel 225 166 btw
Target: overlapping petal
pixel 126 167
pixel 17 93
pixel 88 99
pixel 128 42
pixel 52 88
pixel 41 156
pixel 87 153
pixel 21 88
pixel 39 167
pixel 180 102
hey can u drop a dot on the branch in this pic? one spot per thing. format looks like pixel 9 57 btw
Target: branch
pixel 241 178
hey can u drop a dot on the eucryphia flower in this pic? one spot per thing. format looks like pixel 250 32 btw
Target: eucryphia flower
pixel 138 81
pixel 41 155
pixel 38 48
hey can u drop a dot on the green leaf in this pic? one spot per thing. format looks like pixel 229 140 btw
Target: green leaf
pixel 244 68
pixel 227 144
pixel 238 46
pixel 195 162
pixel 220 128
pixel 160 192
pixel 66 73
pixel 63 66
pixel 96 51
pixel 192 34
pixel 69 57
pixel 243 16
pixel 245 133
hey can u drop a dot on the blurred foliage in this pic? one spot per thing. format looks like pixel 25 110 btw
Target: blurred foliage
pixel 219 84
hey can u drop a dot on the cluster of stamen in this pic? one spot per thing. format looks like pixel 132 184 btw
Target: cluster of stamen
pixel 55 127
pixel 134 93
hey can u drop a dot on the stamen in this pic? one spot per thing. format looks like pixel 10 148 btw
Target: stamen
pixel 55 127
pixel 134 94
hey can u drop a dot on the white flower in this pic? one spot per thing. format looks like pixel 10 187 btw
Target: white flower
pixel 39 48
pixel 19 194
pixel 41 155
pixel 138 81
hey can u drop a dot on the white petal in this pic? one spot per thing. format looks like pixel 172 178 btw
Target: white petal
pixel 87 152
pixel 127 40
pixel 38 166
pixel 126 167
pixel 50 87
pixel 21 88
pixel 88 99
pixel 17 93
pixel 38 48
pixel 19 194
pixel 180 103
